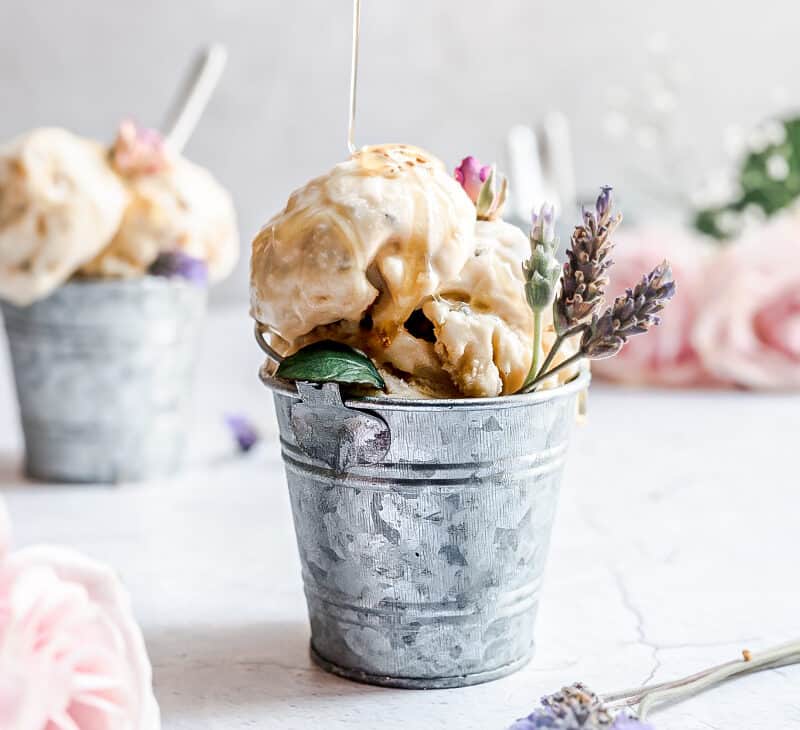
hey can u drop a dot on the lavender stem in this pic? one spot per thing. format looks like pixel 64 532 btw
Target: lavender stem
pixel 646 697
pixel 529 385
pixel 566 363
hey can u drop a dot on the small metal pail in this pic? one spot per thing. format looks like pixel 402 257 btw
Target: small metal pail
pixel 103 370
pixel 423 527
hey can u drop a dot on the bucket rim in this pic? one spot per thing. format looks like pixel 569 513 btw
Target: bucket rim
pixel 372 402
pixel 146 282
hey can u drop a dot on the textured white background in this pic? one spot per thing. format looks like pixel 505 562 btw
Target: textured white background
pixel 449 75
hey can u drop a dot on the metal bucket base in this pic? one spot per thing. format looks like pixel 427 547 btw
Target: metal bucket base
pixel 462 680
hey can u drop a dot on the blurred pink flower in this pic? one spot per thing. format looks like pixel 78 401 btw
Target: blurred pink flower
pixel 471 174
pixel 665 356
pixel 138 150
pixel 748 330
pixel 71 655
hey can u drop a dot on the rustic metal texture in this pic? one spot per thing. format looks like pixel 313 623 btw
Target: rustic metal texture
pixel 103 372
pixel 423 570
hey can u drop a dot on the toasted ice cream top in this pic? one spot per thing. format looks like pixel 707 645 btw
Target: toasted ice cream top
pixel 60 203
pixel 375 236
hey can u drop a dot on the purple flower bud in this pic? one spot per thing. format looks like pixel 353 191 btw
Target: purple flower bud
pixel 178 263
pixel 471 174
pixel 603 204
pixel 548 216
pixel 243 431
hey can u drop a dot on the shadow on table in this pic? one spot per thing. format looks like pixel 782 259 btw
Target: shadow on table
pixel 220 671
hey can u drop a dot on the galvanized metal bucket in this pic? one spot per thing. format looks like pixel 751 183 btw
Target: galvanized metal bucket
pixel 423 527
pixel 103 371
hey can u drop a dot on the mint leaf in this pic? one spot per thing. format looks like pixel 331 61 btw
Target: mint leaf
pixel 330 362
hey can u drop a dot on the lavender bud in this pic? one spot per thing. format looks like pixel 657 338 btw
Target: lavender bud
pixel 603 204
pixel 548 217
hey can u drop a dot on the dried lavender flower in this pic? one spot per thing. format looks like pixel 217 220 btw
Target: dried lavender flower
pixel 633 313
pixel 576 708
pixel 584 277
pixel 180 264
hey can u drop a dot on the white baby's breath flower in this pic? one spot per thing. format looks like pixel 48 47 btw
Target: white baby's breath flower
pixel 777 167
pixel 733 139
pixel 774 131
pixel 728 222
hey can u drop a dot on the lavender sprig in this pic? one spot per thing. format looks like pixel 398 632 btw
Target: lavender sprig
pixel 634 313
pixel 576 708
pixel 584 280
pixel 541 272
pixel 583 283
pixel 584 277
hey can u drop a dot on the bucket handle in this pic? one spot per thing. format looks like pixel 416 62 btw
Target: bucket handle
pixel 266 348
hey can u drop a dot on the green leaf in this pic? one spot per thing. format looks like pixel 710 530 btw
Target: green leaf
pixel 330 362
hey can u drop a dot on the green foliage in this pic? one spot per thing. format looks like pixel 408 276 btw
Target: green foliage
pixel 330 362
pixel 760 185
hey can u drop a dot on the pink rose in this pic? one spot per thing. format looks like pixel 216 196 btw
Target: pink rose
pixel 665 356
pixel 471 174
pixel 748 331
pixel 71 655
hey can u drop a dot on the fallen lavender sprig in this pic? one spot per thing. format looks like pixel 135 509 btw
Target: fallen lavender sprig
pixel 180 264
pixel 578 708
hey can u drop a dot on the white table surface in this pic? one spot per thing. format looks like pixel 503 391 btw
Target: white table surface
pixel 677 544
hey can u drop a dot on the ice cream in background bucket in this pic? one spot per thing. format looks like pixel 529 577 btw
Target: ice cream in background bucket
pixel 103 371
pixel 106 255
pixel 423 527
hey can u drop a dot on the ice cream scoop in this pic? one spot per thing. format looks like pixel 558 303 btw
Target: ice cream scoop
pixel 60 203
pixel 482 323
pixel 175 206
pixel 385 254
pixel 374 236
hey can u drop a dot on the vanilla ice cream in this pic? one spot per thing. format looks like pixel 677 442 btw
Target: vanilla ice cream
pixel 60 203
pixel 379 232
pixel 175 206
